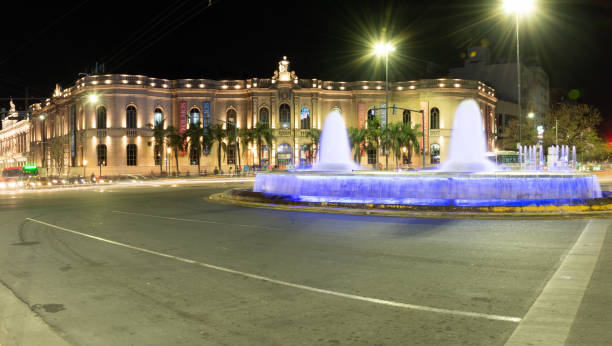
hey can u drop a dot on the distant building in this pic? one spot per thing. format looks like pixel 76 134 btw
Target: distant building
pixel 115 131
pixel 15 138
pixel 535 90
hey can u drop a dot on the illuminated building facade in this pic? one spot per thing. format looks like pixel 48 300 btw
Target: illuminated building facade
pixel 115 128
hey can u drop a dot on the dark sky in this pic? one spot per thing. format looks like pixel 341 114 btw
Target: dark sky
pixel 328 39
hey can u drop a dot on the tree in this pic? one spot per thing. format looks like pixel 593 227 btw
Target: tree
pixel 403 137
pixel 192 137
pixel 357 139
pixel 246 137
pixel 159 135
pixel 262 134
pixel 577 126
pixel 218 135
pixel 56 148
pixel 175 143
pixel 315 137
pixel 372 135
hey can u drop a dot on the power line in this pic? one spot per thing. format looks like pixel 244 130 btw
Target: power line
pixel 168 29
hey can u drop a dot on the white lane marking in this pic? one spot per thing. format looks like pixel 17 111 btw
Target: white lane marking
pixel 550 318
pixel 293 285
pixel 196 220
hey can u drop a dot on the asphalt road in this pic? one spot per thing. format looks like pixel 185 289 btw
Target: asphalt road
pixel 166 267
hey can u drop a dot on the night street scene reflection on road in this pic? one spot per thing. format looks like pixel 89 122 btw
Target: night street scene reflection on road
pixel 375 173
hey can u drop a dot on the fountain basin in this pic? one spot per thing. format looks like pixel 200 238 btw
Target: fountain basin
pixel 432 188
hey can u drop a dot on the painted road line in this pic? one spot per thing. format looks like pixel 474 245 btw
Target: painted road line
pixel 196 220
pixel 293 285
pixel 550 318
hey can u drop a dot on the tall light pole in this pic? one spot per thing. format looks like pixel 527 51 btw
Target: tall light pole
pixel 384 49
pixel 518 7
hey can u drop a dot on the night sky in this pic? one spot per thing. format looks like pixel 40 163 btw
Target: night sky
pixel 329 40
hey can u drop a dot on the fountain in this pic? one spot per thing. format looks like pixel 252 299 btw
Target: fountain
pixel 466 179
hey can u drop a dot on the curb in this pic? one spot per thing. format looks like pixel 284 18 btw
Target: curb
pixel 528 212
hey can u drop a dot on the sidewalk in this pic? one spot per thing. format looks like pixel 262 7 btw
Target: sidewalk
pixel 19 325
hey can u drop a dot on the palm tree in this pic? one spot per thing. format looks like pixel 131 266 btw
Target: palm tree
pixel 174 142
pixel 372 135
pixel 159 134
pixel 262 133
pixel 218 135
pixel 315 136
pixel 403 136
pixel 192 136
pixel 357 137
pixel 246 137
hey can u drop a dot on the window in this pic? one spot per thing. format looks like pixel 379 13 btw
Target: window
pixel 434 154
pixel 231 154
pixel 305 119
pixel 265 155
pixel 101 150
pixel 284 116
pixel 158 117
pixel 284 154
pixel 131 154
pixel 231 116
pixel 406 116
pixel 264 116
pixel 371 156
pixel 157 155
pixel 101 118
pixel 194 116
pixel 194 158
pixel 130 117
pixel 434 118
pixel 371 114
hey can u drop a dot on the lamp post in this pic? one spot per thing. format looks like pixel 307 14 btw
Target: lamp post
pixel 384 49
pixel 518 7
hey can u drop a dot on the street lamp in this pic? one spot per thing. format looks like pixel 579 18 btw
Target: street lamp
pixel 518 7
pixel 383 49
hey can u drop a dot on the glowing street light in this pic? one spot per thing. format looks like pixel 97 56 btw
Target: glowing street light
pixel 531 115
pixel 518 7
pixel 383 49
pixel 93 98
pixel 84 164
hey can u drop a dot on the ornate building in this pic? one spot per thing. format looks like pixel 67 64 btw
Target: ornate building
pixel 15 138
pixel 108 120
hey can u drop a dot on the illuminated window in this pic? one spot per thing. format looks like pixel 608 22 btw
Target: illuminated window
pixel 371 156
pixel 434 119
pixel 406 116
pixel 131 154
pixel 157 155
pixel 231 154
pixel 434 154
pixel 158 117
pixel 130 117
pixel 264 116
pixel 101 118
pixel 284 116
pixel 284 155
pixel 194 116
pixel 101 151
pixel 194 158
pixel 371 114
pixel 305 119
pixel 231 116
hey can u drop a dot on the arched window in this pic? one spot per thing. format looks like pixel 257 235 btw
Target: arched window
pixel 101 118
pixel 284 116
pixel 158 117
pixel 194 116
pixel 264 116
pixel 130 117
pixel 305 118
pixel 101 151
pixel 131 152
pixel 371 114
pixel 231 116
pixel 284 155
pixel 434 153
pixel 406 116
pixel 434 119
